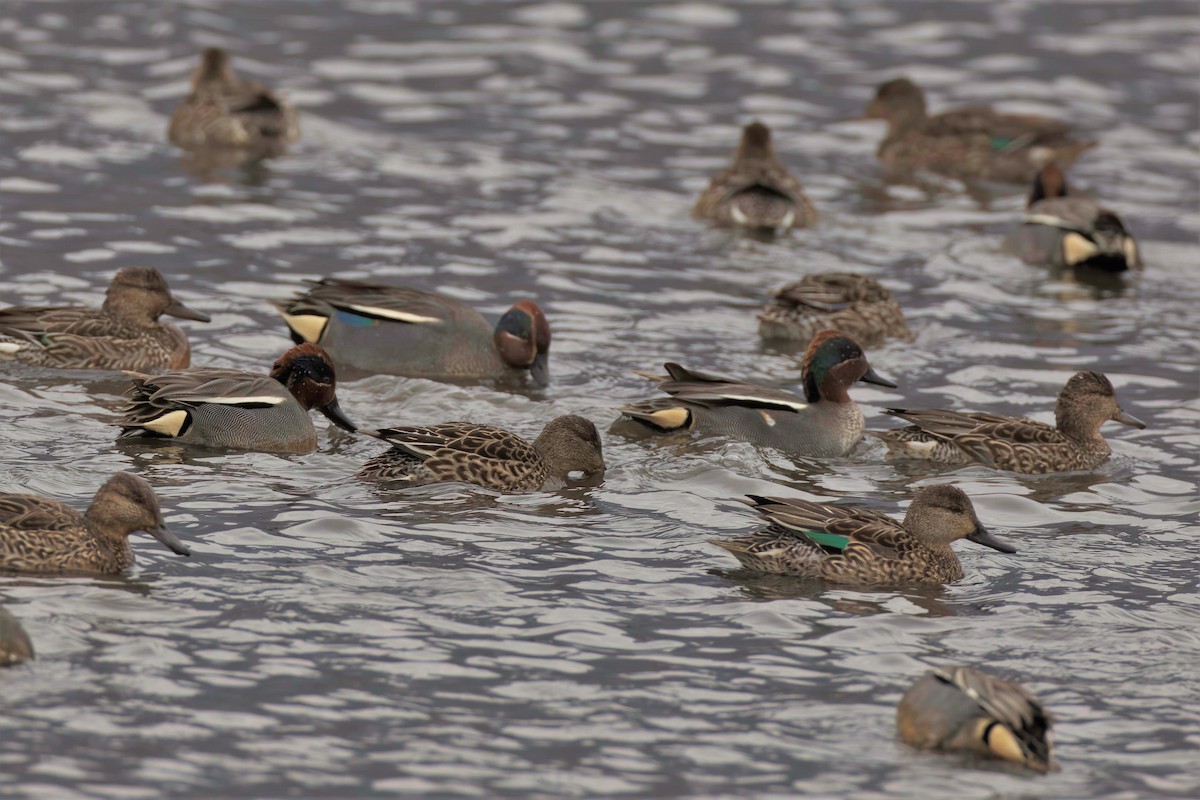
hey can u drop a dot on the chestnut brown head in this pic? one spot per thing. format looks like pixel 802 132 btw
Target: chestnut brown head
pixel 307 372
pixel 1049 182
pixel 522 338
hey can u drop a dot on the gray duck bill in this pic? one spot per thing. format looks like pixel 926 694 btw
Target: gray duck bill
pixel 981 536
pixel 334 412
pixel 164 535
pixel 873 377
pixel 1129 419
pixel 178 309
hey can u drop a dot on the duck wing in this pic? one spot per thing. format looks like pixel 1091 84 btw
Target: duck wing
pixel 32 512
pixel 466 451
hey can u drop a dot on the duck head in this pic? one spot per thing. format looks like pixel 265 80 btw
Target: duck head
pixel 522 338
pixel 832 363
pixel 126 504
pixel 215 68
pixel 307 372
pixel 1049 182
pixel 571 443
pixel 1088 401
pixel 942 513
pixel 755 144
pixel 899 101
pixel 142 294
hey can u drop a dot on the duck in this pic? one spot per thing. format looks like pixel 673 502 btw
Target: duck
pixel 843 544
pixel 824 423
pixel 1016 444
pixel 1062 229
pixel 234 410
pixel 962 709
pixel 488 456
pixel 854 304
pixel 15 647
pixel 38 534
pixel 756 191
pixel 226 111
pixel 124 333
pixel 974 143
pixel 398 330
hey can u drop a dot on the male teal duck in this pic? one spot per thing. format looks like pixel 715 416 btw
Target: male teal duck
pixel 964 710
pixel 824 423
pixel 1013 443
pixel 756 191
pixel 231 409
pixel 38 534
pixel 396 330
pixel 488 456
pixel 225 111
pixel 124 333
pixel 860 546
pixel 15 646
pixel 1062 229
pixel 856 305
pixel 968 143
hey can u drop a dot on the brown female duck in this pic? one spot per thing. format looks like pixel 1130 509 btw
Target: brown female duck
pixel 38 534
pixel 124 333
pixel 856 305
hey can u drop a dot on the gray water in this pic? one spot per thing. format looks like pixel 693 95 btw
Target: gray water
pixel 330 640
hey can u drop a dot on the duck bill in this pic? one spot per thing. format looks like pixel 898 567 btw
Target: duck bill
pixel 334 412
pixel 873 377
pixel 178 309
pixel 172 542
pixel 1129 419
pixel 981 536
pixel 539 370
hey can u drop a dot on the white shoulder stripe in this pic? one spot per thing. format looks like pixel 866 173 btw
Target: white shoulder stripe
pixel 767 401
pixel 1049 219
pixel 264 399
pixel 399 316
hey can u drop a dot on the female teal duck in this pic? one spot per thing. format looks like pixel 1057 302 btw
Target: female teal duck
pixel 1013 443
pixel 1063 229
pixel 225 111
pixel 756 190
pixel 856 305
pixel 124 333
pixel 860 546
pixel 488 456
pixel 38 534
pixel 967 143
pixel 396 330
pixel 964 710
pixel 15 646
pixel 824 423
pixel 231 409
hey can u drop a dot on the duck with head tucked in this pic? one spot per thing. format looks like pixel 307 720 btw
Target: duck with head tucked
pixel 756 191
pixel 860 546
pixel 1066 230
pixel 856 305
pixel 38 534
pixel 823 424
pixel 960 709
pixel 397 330
pixel 124 333
pixel 15 646
pixel 226 111
pixel 1085 403
pixel 488 456
pixel 236 410
pixel 975 143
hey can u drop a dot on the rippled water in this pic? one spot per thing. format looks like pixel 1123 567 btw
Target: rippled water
pixel 329 640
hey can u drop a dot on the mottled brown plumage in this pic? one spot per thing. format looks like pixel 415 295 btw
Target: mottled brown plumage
pixel 1085 403
pixel 124 333
pixel 964 710
pixel 38 534
pixel 850 545
pixel 492 457
pixel 854 304
pixel 756 190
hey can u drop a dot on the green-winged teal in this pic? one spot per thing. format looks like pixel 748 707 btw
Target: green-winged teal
pixel 492 457
pixel 396 330
pixel 228 408
pixel 1064 229
pixel 843 544
pixel 856 305
pixel 962 709
pixel 1014 443
pixel 38 534
pixel 824 423
pixel 124 333
pixel 225 111
pixel 15 646
pixel 756 190
pixel 968 143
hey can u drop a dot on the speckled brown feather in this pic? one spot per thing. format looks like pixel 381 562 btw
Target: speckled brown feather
pixel 854 304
